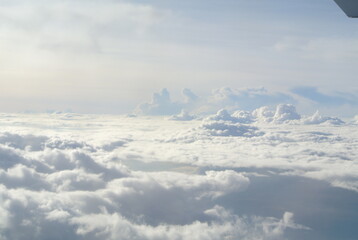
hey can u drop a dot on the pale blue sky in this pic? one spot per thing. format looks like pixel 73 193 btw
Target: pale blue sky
pixel 108 56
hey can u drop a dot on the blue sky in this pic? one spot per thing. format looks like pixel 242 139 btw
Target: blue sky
pixel 108 56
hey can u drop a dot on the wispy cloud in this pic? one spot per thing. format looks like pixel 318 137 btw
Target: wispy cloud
pixel 313 94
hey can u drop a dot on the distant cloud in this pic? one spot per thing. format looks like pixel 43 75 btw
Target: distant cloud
pixel 247 98
pixel 280 114
pixel 313 94
pixel 182 116
pixel 189 96
pixel 316 118
pixel 229 98
pixel 221 128
pixel 161 104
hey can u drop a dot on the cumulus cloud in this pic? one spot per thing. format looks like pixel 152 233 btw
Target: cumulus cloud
pixel 189 96
pixel 182 116
pixel 161 104
pixel 222 115
pixel 82 178
pixel 247 99
pixel 232 99
pixel 10 157
pixel 282 113
pixel 316 118
pixel 30 142
pixel 70 203
pixel 220 128
pixel 78 195
pixel 114 227
pixel 21 176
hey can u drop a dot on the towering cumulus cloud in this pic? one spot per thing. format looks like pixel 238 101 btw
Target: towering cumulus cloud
pixel 161 104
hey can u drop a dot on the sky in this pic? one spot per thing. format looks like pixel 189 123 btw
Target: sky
pixel 259 175
pixel 153 120
pixel 110 56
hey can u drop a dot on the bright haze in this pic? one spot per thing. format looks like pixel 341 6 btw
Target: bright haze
pixel 109 56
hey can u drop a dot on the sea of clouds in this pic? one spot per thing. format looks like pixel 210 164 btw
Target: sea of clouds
pixel 187 176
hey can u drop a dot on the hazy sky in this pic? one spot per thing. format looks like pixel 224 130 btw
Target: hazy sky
pixel 108 56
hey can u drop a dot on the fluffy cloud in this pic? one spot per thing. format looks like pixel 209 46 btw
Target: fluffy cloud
pixel 227 227
pixel 94 177
pixel 247 99
pixel 282 113
pixel 29 141
pixel 161 104
pixel 244 99
pixel 316 118
pixel 62 190
pixel 189 96
pixel 229 129
pixel 182 116
pixel 78 203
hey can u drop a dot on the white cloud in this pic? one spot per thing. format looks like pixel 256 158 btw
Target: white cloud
pixel 30 142
pixel 229 98
pixel 247 98
pixel 21 176
pixel 114 227
pixel 161 104
pixel 65 176
pixel 182 116
pixel 10 157
pixel 144 205
pixel 222 115
pixel 221 128
pixel 316 118
pixel 356 119
pixel 189 96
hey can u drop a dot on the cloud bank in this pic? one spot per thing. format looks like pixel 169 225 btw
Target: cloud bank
pixel 248 99
pixel 67 191
pixel 79 176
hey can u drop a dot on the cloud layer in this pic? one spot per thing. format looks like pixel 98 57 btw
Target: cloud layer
pixel 93 177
